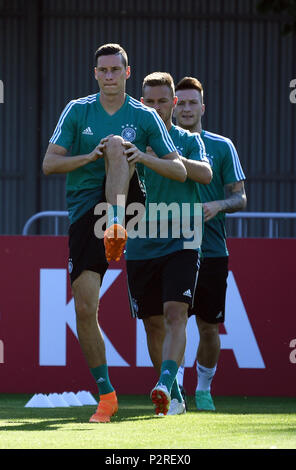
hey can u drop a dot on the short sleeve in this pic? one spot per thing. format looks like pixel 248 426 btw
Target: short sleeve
pixel 231 167
pixel 65 131
pixel 197 150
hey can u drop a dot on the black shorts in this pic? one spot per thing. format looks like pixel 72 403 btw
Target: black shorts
pixel 153 282
pixel 210 295
pixel 86 251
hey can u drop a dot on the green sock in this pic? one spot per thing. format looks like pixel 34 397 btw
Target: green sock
pixel 168 374
pixel 115 215
pixel 175 392
pixel 101 377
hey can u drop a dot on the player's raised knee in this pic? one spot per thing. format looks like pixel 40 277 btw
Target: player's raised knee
pixel 114 146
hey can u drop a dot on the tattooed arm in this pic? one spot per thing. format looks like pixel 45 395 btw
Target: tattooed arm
pixel 235 200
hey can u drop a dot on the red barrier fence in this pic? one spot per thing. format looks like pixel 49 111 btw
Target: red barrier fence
pixel 40 353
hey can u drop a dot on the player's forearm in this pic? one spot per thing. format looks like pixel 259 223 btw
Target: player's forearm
pixel 170 168
pixel 198 171
pixel 236 202
pixel 53 163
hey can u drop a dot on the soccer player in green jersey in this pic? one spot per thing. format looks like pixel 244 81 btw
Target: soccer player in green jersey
pixel 161 271
pixel 87 145
pixel 225 194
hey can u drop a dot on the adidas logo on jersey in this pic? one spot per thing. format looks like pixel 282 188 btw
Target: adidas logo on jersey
pixel 187 293
pixel 220 314
pixel 87 131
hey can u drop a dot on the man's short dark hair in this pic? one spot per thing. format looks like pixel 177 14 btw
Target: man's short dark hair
pixel 111 49
pixel 189 83
pixel 159 79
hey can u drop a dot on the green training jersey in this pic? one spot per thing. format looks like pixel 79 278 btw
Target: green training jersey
pixel 82 125
pixel 227 169
pixel 183 199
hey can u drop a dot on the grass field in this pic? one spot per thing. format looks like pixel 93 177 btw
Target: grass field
pixel 238 423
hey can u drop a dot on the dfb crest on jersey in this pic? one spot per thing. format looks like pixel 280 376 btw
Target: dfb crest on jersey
pixel 210 159
pixel 129 132
pixel 180 150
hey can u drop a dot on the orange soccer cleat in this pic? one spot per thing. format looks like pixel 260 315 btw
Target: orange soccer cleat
pixel 115 238
pixel 107 407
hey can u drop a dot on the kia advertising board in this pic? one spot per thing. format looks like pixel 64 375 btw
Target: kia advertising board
pixel 40 353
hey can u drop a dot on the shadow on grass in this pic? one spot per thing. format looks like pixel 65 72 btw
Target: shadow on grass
pixel 53 419
pixel 15 417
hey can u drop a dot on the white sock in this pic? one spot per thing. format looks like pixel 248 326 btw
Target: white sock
pixel 204 377
pixel 180 375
